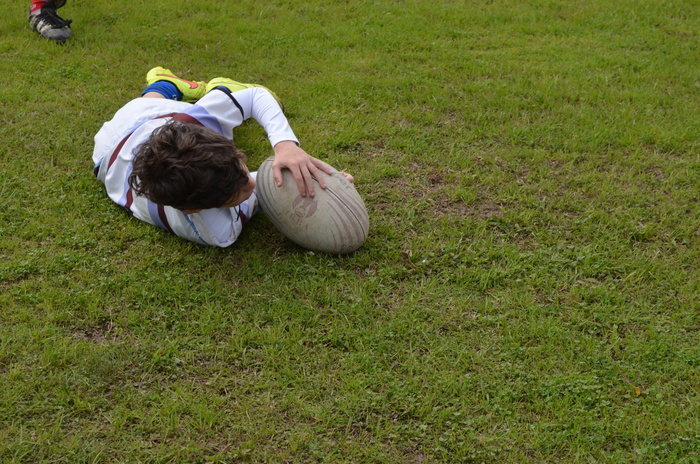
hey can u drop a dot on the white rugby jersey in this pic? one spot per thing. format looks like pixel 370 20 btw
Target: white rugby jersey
pixel 219 110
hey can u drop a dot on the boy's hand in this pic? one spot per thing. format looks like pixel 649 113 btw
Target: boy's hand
pixel 288 155
pixel 349 177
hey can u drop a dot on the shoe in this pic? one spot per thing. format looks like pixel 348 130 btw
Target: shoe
pixel 191 90
pixel 234 86
pixel 49 25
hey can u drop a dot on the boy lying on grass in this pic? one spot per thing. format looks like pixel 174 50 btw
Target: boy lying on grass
pixel 169 157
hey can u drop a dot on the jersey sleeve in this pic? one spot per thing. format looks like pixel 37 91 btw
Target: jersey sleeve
pixel 222 111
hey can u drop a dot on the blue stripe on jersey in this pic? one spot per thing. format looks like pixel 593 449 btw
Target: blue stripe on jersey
pixel 207 120
pixel 244 209
pixel 194 228
pixel 122 201
pixel 155 217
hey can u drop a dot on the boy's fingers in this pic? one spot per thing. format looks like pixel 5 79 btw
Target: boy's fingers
pixel 317 175
pixel 304 182
pixel 323 166
pixel 304 175
pixel 348 176
pixel 277 174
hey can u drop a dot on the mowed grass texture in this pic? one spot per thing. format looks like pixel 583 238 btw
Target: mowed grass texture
pixel 528 292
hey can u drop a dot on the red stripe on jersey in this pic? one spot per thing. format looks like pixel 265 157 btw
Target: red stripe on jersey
pixel 164 218
pixel 187 119
pixel 116 151
pixel 129 201
pixel 119 147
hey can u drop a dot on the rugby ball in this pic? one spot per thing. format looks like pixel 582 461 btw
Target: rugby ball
pixel 335 220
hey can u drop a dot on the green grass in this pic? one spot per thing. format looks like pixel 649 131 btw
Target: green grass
pixel 528 292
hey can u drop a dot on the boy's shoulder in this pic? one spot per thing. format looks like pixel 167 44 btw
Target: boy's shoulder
pixel 149 108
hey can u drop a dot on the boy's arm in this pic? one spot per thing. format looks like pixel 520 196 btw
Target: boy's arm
pixel 288 154
pixel 258 103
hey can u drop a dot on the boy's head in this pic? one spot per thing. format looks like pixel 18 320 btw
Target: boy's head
pixel 189 167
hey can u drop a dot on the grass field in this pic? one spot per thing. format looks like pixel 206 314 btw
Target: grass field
pixel 529 291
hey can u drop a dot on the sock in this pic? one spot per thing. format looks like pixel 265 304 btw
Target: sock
pixel 36 6
pixel 166 89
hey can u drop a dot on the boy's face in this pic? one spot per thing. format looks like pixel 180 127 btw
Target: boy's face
pixel 242 195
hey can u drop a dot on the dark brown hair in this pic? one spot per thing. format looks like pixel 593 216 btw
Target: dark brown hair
pixel 188 167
